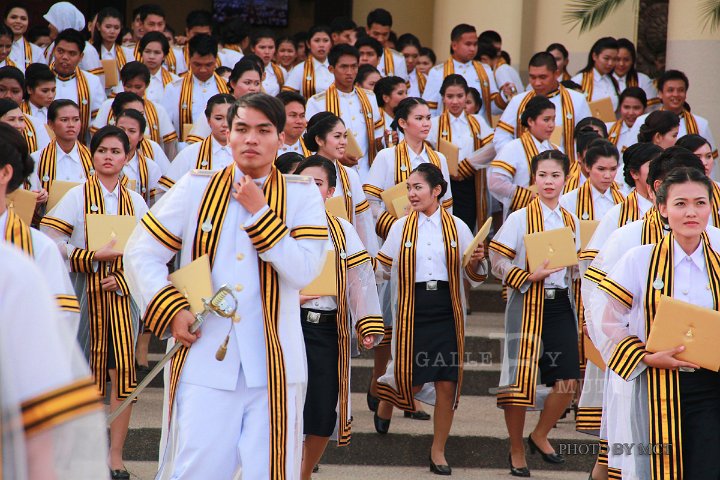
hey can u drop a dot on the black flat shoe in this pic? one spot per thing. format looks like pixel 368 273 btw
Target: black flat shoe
pixel 316 468
pixel 517 471
pixel 382 425
pixel 372 402
pixel 439 469
pixel 419 415
pixel 119 475
pixel 548 457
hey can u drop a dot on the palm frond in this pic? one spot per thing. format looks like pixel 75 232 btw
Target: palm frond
pixel 588 14
pixel 710 14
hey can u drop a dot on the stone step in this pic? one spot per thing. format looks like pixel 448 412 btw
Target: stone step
pixel 147 470
pixel 478 438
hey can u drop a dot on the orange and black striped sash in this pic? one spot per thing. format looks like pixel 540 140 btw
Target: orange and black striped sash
pixel 83 95
pixel 389 63
pixel 29 134
pixel 143 188
pixel 614 133
pixel 487 97
pixel 278 73
pixel 186 97
pixel 332 105
pixel 47 167
pixel 403 167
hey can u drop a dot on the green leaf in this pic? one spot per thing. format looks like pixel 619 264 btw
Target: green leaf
pixel 589 14
pixel 710 14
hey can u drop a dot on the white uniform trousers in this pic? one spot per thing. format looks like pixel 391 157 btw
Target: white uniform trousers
pixel 222 434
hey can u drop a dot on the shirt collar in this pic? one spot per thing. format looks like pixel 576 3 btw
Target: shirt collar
pixel 239 174
pixel 72 154
pixel 461 119
pixel 643 203
pixel 434 218
pixel 107 193
pixel 596 193
pixel 317 63
pixel 216 147
pixel 413 155
pixel 547 211
pixel 544 145
pixel 198 82
pixel 697 257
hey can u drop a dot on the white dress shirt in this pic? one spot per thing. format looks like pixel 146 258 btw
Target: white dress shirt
pixel 323 77
pixel 603 87
pixel 156 90
pixel 68 166
pixel 400 68
pixel 295 147
pixel 201 93
pixel 435 78
pixel 186 160
pixel 271 84
pixel 38 113
pixel 17 54
pixel 602 202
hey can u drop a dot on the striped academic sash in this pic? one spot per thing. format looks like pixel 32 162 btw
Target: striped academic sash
pixel 186 97
pixel 47 167
pixel 332 105
pixel 487 97
pixel 389 63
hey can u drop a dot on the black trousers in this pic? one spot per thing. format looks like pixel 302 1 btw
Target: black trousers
pixel 465 201
pixel 700 411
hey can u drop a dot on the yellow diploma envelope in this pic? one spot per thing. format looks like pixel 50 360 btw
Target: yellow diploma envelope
pixel 603 109
pixel 110 72
pixel 388 197
pixel 103 228
pixel 352 149
pixel 22 202
pixel 186 130
pixel 194 281
pixel 58 189
pixel 587 230
pixel 557 245
pixel 480 237
pixel 324 284
pixel 401 205
pixel 336 207
pixel 697 329
pixel 452 154
pixel 557 135
pixel 592 353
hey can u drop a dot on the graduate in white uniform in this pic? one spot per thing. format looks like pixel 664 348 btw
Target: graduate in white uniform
pixel 389 92
pixel 611 394
pixel 627 75
pixel 562 58
pixel 151 18
pixel 135 78
pixel 63 16
pixel 463 48
pixel 378 26
pixel 152 51
pixel 140 174
pixel 312 75
pixel 16 165
pixel 265 235
pixel 185 99
pixel 53 423
pixel 39 91
pixel 355 105
pixel 23 52
pixel 109 317
pixel 507 78
pixel 409 45
pixel 540 312
pixel 73 83
pixel 469 133
pixel 510 176
pixel 12 86
pixel 295 124
pixel 632 102
pixel 200 22
pixel 570 106
pixel 105 38
pixel 672 91
pixel 6 40
pixel 423 260
pixel 65 158
pixel 660 127
pixel 263 45
pixel 701 148
pixel 683 265
pixel 326 134
pixel 329 324
pixel 213 153
pixel 596 79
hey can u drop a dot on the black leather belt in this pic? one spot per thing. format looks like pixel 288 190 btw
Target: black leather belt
pixel 318 316
pixel 432 285
pixel 553 293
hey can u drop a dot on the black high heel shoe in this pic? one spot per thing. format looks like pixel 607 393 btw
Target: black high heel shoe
pixel 382 425
pixel 439 469
pixel 419 415
pixel 372 401
pixel 548 457
pixel 517 471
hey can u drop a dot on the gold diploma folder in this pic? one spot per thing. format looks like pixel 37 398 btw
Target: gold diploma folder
pixel 592 353
pixel 324 284
pixel 58 189
pixel 194 281
pixel 111 73
pixel 22 202
pixel 679 323
pixel 103 228
pixel 557 245
pixel 587 230
pixel 336 207
pixel 452 155
pixel 390 195
pixel 480 237
pixel 603 109
pixel 352 149
pixel 557 136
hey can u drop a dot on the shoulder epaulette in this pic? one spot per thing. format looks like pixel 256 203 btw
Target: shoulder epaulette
pixel 318 95
pixel 202 173
pixel 299 178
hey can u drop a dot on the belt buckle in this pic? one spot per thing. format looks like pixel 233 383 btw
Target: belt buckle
pixel 550 294
pixel 313 317
pixel 687 369
pixel 431 285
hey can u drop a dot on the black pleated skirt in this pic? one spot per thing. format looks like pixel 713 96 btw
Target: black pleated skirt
pixel 321 349
pixel 559 355
pixel 435 350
